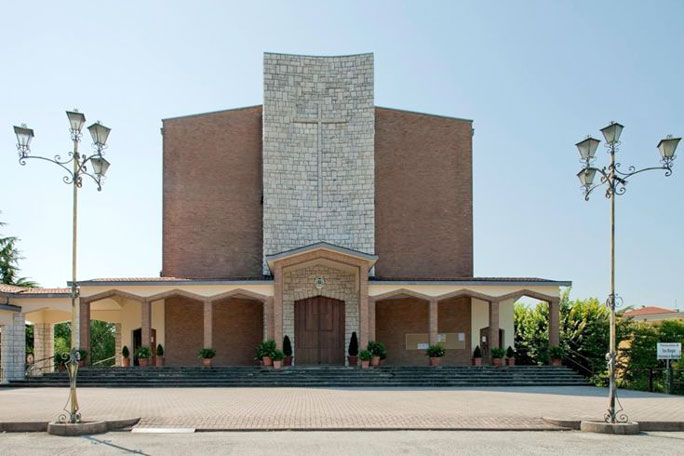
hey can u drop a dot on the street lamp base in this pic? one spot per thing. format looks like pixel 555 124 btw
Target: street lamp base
pixel 601 427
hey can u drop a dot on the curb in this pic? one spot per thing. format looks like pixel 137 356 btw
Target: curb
pixel 644 426
pixel 44 426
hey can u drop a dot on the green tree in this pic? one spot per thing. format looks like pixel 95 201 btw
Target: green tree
pixel 9 262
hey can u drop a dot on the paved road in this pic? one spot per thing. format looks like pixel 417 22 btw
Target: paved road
pixel 336 408
pixel 390 443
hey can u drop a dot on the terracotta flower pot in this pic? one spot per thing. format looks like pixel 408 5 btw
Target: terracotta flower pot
pixel 268 362
pixel 126 362
pixel 556 362
pixel 375 361
pixel 277 364
pixel 365 364
pixel 142 362
pixel 206 362
pixel 477 361
pixel 353 361
pixel 159 361
pixel 435 361
pixel 287 361
pixel 498 362
pixel 510 361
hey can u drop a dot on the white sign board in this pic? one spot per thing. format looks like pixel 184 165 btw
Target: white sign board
pixel 670 350
pixel 423 346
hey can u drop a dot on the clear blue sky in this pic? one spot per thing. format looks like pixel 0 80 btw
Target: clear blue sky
pixel 536 77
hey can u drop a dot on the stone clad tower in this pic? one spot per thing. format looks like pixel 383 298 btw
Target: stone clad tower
pixel 318 152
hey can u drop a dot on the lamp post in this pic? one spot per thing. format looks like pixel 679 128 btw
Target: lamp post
pixel 76 165
pixel 615 181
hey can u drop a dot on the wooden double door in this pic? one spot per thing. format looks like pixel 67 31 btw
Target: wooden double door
pixel 319 331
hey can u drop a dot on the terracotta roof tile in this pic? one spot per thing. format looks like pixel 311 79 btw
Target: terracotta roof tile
pixel 650 310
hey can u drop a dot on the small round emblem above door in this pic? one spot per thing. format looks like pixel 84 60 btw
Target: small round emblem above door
pixel 319 283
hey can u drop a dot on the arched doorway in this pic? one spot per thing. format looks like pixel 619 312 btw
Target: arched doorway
pixel 319 331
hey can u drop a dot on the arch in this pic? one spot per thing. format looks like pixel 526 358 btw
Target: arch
pixel 466 293
pixel 528 293
pixel 176 292
pixel 401 292
pixel 239 292
pixel 109 294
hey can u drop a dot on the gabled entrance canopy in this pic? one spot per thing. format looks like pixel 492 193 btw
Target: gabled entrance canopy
pixel 319 250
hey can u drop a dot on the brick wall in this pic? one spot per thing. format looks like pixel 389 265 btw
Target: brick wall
pixel 394 318
pixel 237 330
pixel 454 317
pixel 423 196
pixel 184 320
pixel 212 219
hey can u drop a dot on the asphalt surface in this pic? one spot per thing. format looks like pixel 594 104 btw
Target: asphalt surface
pixel 346 443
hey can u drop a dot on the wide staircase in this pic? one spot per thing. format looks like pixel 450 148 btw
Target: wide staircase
pixel 382 377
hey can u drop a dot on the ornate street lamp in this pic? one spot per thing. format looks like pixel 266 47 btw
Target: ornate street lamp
pixel 76 166
pixel 615 181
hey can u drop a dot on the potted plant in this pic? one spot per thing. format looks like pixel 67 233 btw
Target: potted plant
pixel 125 357
pixel 206 355
pixel 477 356
pixel 556 355
pixel 278 356
pixel 510 356
pixel 365 357
pixel 435 352
pixel 159 361
pixel 82 355
pixel 497 356
pixel 378 351
pixel 287 351
pixel 264 352
pixel 143 354
pixel 353 350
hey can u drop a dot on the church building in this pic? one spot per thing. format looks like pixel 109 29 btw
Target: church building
pixel 314 215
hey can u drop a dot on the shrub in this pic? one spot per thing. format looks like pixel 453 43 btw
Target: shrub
pixel 353 345
pixel 556 352
pixel 377 349
pixel 477 353
pixel 206 353
pixel 143 352
pixel 265 348
pixel 435 351
pixel 278 355
pixel 365 355
pixel 287 346
pixel 82 354
pixel 498 352
pixel 510 353
pixel 160 350
pixel 124 352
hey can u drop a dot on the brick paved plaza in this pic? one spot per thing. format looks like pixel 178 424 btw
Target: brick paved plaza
pixel 295 408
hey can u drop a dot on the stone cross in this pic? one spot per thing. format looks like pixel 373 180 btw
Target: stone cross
pixel 319 120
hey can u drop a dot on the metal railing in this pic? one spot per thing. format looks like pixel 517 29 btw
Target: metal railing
pixel 101 362
pixel 39 367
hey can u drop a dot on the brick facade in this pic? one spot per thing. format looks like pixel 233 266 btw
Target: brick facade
pixel 423 196
pixel 394 318
pixel 237 330
pixel 212 191
pixel 184 322
pixel 455 317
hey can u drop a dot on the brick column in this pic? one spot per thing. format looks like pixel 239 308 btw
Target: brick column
pixel 371 321
pixel 117 345
pixel 146 324
pixel 268 320
pixel 208 324
pixel 493 326
pixel 363 306
pixel 13 348
pixel 433 321
pixel 84 326
pixel 554 319
pixel 278 306
pixel 44 345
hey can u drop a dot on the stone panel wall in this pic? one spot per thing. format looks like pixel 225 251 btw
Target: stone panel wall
pixel 44 345
pixel 300 284
pixel 184 319
pixel 423 196
pixel 237 330
pixel 13 346
pixel 301 206
pixel 394 318
pixel 212 195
